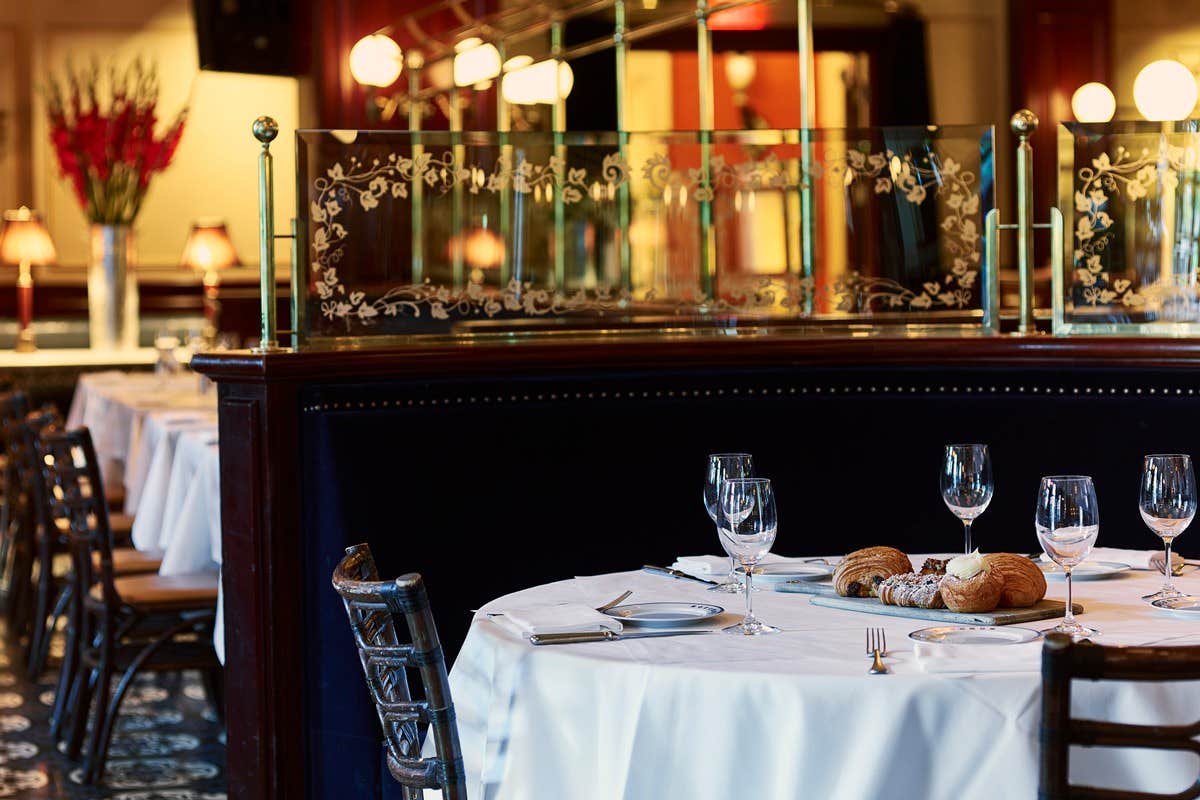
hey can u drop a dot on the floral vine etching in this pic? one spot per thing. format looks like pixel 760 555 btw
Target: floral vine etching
pixel 1128 174
pixel 365 184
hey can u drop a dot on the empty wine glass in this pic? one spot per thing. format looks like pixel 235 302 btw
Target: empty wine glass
pixel 748 513
pixel 1067 520
pixel 967 484
pixel 1167 501
pixel 720 467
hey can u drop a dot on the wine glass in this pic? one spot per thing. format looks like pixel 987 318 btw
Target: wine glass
pixel 1067 520
pixel 748 512
pixel 720 467
pixel 967 484
pixel 1167 501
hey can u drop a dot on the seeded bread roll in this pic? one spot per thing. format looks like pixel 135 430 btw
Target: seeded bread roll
pixel 863 570
pixel 1024 583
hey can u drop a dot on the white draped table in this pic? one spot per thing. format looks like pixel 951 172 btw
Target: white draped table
pixel 793 715
pixel 159 436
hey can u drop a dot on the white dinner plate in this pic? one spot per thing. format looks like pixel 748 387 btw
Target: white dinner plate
pixel 1087 571
pixel 784 572
pixel 664 615
pixel 976 634
pixel 1180 606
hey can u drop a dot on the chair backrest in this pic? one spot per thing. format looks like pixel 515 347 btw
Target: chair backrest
pixel 76 505
pixel 13 408
pixel 29 468
pixel 375 609
pixel 1063 661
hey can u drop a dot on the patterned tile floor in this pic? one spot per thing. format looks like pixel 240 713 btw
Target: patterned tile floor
pixel 168 744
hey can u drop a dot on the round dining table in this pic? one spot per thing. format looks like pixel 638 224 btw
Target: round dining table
pixel 795 714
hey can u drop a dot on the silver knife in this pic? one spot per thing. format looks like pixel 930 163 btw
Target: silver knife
pixel 605 636
pixel 674 573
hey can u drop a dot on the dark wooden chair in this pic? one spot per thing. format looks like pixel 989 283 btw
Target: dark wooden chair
pixel 375 607
pixel 127 624
pixel 16 539
pixel 1063 661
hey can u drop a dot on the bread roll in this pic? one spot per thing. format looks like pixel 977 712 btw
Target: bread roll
pixel 863 570
pixel 1023 581
pixel 971 584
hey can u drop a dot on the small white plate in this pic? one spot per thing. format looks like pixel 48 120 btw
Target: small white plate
pixel 1180 606
pixel 976 634
pixel 1087 571
pixel 784 572
pixel 664 615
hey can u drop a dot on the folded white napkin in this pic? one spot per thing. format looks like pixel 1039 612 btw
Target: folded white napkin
pixel 934 658
pixel 561 618
pixel 706 566
pixel 1136 559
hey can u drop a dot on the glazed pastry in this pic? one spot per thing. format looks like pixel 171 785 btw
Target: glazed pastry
pixel 1024 583
pixel 912 590
pixel 971 585
pixel 934 566
pixel 863 570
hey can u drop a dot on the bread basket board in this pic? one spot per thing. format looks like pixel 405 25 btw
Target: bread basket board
pixel 1043 609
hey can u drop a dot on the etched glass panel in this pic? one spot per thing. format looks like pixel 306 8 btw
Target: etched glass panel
pixel 1131 210
pixel 436 233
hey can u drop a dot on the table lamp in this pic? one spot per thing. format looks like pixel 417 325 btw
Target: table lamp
pixel 25 242
pixel 207 251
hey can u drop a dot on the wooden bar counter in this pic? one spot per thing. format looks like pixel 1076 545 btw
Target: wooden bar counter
pixel 488 467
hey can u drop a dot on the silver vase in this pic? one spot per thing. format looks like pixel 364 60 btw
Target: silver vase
pixel 112 289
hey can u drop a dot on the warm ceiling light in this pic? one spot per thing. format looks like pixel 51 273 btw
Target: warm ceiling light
pixel 544 82
pixel 740 69
pixel 376 60
pixel 1165 91
pixel 1093 102
pixel 475 64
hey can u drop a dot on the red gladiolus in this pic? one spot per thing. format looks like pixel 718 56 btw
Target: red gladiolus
pixel 103 137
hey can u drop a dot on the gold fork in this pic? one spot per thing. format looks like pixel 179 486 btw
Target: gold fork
pixel 876 647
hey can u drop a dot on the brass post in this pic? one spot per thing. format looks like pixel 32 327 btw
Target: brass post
pixel 415 61
pixel 704 59
pixel 559 125
pixel 807 221
pixel 1023 124
pixel 624 205
pixel 265 130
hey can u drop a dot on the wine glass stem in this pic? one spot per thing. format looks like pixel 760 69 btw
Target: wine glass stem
pixel 967 536
pixel 1069 617
pixel 749 595
pixel 1168 584
pixel 732 570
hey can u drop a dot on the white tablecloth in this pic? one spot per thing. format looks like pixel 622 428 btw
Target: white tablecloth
pixel 160 436
pixel 793 715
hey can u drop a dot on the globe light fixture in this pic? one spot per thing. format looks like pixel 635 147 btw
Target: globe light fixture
pixel 1093 102
pixel 544 82
pixel 475 62
pixel 376 60
pixel 1165 91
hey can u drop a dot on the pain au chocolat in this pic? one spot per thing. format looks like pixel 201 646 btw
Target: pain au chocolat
pixel 861 572
pixel 1024 583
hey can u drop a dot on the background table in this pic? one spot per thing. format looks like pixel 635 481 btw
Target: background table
pixel 791 715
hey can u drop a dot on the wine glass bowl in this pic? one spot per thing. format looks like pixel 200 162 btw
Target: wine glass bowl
pixel 748 526
pixel 1067 521
pixel 966 482
pixel 1167 503
pixel 721 466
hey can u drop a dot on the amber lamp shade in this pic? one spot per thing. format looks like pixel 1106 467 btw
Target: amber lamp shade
pixel 208 251
pixel 25 242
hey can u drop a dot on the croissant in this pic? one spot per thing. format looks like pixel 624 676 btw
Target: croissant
pixel 863 570
pixel 980 592
pixel 914 591
pixel 1024 583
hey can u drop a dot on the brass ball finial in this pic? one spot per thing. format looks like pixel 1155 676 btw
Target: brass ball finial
pixel 265 129
pixel 1023 123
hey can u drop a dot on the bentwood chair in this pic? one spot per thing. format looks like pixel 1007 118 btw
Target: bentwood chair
pixel 375 609
pixel 128 624
pixel 1062 661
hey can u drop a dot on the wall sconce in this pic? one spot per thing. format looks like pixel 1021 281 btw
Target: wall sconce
pixel 475 62
pixel 1093 102
pixel 376 60
pixel 1165 91
pixel 527 84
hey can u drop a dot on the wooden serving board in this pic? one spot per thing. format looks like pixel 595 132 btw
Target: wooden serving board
pixel 1045 609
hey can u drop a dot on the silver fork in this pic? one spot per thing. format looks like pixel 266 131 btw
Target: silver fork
pixel 876 647
pixel 610 604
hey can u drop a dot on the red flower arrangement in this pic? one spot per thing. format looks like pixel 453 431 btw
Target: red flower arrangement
pixel 106 145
